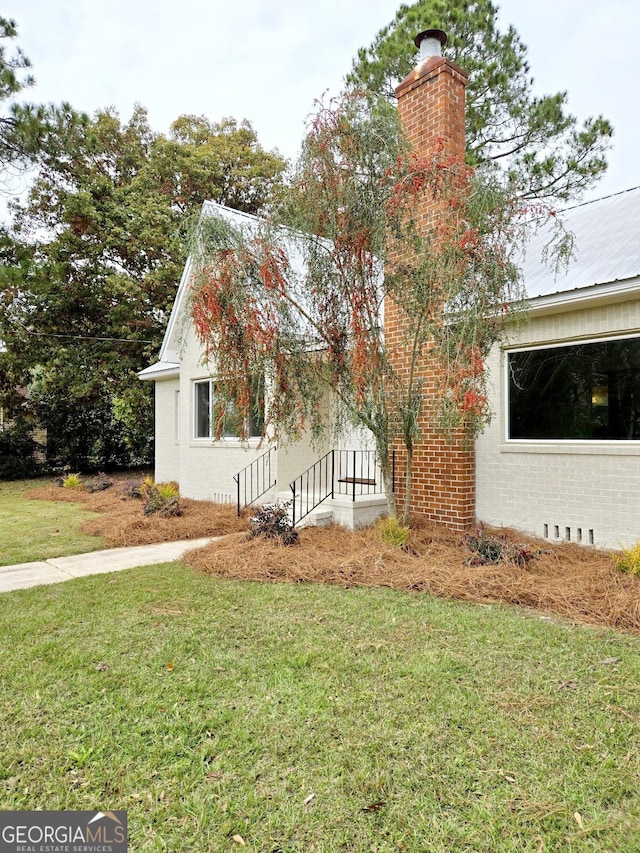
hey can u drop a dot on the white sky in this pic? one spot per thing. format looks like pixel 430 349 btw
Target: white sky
pixel 268 60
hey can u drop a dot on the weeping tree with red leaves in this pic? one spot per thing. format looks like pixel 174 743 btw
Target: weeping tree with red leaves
pixel 298 297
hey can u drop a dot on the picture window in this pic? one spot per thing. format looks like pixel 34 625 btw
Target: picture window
pixel 581 391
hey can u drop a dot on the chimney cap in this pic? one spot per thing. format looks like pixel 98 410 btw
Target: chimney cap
pixel 440 35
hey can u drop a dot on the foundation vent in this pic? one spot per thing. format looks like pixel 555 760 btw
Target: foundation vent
pixel 222 498
pixel 581 535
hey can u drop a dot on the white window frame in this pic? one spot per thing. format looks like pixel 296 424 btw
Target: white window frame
pixel 561 442
pixel 211 434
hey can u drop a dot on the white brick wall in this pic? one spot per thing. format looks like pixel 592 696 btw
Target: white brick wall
pixel 590 488
pixel 167 448
pixel 206 468
pixel 203 468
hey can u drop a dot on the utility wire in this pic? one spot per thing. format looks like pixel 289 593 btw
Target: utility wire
pixel 79 337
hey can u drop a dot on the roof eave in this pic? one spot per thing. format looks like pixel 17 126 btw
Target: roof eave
pixel 160 370
pixel 586 297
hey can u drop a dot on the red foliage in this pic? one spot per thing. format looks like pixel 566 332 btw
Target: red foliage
pixel 272 268
pixel 473 403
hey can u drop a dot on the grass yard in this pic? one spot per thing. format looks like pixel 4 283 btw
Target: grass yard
pixel 31 530
pixel 39 520
pixel 119 519
pixel 578 583
pixel 227 715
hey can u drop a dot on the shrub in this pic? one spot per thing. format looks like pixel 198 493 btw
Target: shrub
pixel 19 452
pixel 161 499
pixel 146 485
pixel 98 483
pixel 629 560
pixel 393 533
pixel 272 521
pixel 71 481
pixel 486 549
pixel 133 489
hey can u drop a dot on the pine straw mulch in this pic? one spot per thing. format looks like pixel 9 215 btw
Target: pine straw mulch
pixel 122 522
pixel 575 582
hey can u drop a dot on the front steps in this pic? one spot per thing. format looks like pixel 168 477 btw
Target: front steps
pixel 364 511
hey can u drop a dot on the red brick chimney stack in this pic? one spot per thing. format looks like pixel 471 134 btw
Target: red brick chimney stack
pixel 431 99
pixel 431 108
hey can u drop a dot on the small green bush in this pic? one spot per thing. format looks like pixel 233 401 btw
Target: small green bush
pixel 393 533
pixel 71 481
pixel 629 560
pixel 161 499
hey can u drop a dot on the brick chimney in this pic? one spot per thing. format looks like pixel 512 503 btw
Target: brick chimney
pixel 431 108
pixel 431 99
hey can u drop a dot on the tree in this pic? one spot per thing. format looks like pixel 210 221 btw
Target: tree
pixel 101 245
pixel 25 129
pixel 13 79
pixel 221 161
pixel 540 149
pixel 315 329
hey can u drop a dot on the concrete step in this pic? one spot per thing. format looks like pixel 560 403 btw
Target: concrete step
pixel 320 517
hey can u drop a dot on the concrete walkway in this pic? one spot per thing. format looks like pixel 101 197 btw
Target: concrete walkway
pixel 60 569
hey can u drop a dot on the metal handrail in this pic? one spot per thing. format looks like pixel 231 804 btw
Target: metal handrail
pixel 358 473
pixel 343 472
pixel 257 478
pixel 312 487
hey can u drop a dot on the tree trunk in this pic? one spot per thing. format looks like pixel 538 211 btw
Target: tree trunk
pixel 387 481
pixel 407 485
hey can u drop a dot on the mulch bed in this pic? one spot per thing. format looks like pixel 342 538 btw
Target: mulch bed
pixel 577 583
pixel 122 522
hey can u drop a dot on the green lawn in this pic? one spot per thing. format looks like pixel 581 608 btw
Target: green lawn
pixel 35 530
pixel 313 718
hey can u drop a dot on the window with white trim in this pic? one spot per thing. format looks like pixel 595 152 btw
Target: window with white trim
pixel 585 391
pixel 208 410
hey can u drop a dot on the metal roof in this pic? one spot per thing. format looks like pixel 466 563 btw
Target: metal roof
pixel 606 247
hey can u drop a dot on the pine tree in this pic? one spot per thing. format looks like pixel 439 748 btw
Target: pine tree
pixel 539 148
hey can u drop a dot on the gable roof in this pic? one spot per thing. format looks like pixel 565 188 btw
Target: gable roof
pixel 168 364
pixel 605 264
pixel 606 249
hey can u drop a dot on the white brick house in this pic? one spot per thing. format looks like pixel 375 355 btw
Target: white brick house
pixel 206 469
pixel 558 471
pixel 561 458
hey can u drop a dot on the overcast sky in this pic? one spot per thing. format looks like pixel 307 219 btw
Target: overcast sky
pixel 267 60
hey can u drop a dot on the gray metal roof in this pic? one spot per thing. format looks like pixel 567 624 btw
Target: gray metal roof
pixel 606 247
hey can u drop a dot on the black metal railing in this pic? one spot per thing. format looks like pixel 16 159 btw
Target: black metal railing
pixel 312 487
pixel 255 479
pixel 344 472
pixel 357 473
